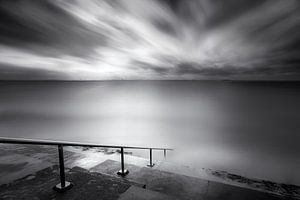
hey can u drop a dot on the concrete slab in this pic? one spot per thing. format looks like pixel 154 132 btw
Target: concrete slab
pixel 137 193
pixel 17 166
pixel 184 187
pixel 17 161
pixel 232 179
pixel 217 191
pixel 111 167
pixel 88 186
pixel 20 160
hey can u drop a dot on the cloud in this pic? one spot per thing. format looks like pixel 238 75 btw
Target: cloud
pixel 10 72
pixel 139 39
pixel 45 28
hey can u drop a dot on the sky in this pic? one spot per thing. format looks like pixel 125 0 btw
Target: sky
pixel 149 39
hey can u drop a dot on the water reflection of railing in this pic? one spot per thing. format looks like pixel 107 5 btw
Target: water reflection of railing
pixel 65 185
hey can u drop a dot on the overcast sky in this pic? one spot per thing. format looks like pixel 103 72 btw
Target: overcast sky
pixel 148 39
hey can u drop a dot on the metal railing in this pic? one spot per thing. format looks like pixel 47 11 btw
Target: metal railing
pixel 65 185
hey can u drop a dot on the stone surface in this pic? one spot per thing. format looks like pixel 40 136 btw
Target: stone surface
pixel 86 186
pixel 184 187
pixel 137 193
pixel 179 182
pixel 17 161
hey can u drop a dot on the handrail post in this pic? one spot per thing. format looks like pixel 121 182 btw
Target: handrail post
pixel 165 154
pixel 63 185
pixel 150 164
pixel 123 171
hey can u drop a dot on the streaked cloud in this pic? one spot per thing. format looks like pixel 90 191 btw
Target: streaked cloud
pixel 141 39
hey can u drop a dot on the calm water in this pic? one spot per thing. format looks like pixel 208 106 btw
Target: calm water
pixel 252 129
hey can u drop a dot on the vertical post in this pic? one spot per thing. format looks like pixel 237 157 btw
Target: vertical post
pixel 123 171
pixel 63 185
pixel 150 157
pixel 61 166
pixel 150 164
pixel 165 154
pixel 122 160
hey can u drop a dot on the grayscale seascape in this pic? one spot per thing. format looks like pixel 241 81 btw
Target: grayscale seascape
pixel 150 99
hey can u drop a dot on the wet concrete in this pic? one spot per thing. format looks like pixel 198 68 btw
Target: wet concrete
pixel 142 194
pixel 184 187
pixel 102 182
pixel 87 186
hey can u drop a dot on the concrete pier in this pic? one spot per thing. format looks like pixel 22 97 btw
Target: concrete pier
pixel 101 182
pixel 30 172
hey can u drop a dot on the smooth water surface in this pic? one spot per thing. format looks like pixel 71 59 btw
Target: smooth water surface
pixel 248 128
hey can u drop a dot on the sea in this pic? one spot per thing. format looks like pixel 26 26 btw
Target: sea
pixel 242 127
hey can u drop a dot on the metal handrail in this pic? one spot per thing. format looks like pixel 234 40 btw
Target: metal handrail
pixel 66 143
pixel 64 185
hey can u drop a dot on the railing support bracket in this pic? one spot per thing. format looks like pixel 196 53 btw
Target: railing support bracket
pixel 123 173
pixel 67 186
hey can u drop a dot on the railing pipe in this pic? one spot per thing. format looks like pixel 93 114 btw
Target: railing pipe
pixel 64 185
pixel 65 143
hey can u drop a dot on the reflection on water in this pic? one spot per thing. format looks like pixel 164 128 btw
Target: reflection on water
pixel 247 128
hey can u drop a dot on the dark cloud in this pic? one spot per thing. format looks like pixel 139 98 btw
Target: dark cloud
pixel 215 12
pixel 196 69
pixel 165 26
pixel 10 72
pixel 44 27
pixel 286 71
pixel 229 10
pixel 140 65
pixel 228 71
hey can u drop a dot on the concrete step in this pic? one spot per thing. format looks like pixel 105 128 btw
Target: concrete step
pixel 182 186
pixel 232 179
pixel 88 186
pixel 92 158
pixel 18 161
